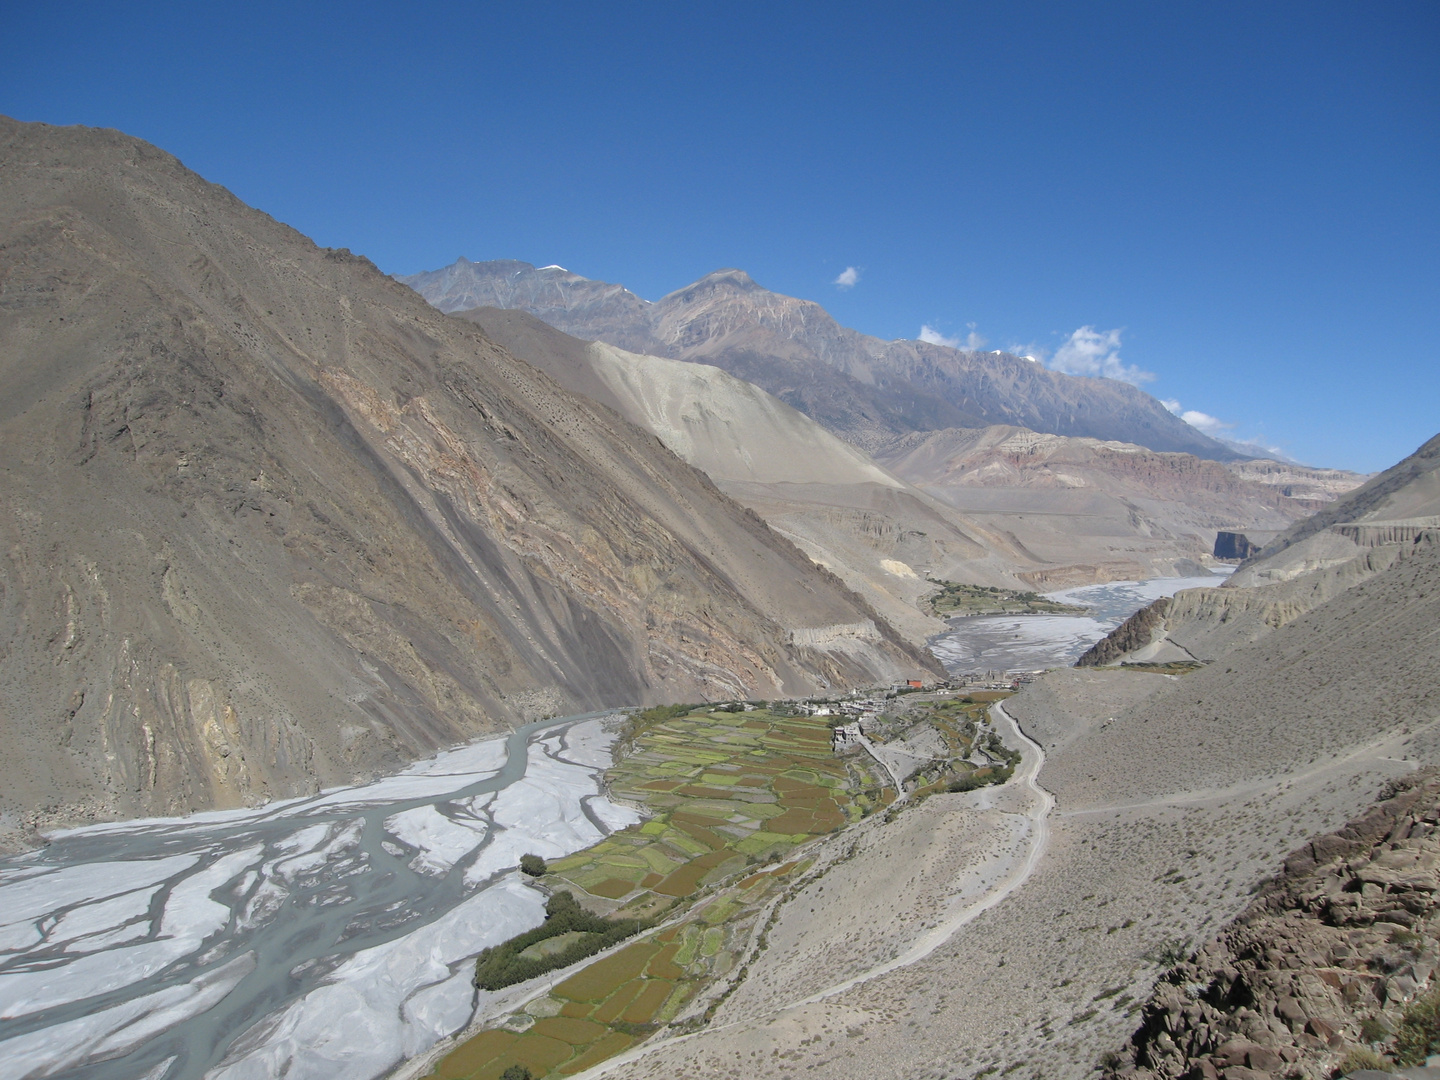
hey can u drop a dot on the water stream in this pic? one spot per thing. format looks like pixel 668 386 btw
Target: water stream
pixel 1002 643
pixel 319 937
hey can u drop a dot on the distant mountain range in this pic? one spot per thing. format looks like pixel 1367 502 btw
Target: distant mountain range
pixel 865 390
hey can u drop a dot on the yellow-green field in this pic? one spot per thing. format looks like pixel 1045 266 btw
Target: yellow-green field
pixel 730 795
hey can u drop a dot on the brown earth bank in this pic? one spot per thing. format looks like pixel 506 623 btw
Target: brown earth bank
pixel 1327 963
pixel 270 521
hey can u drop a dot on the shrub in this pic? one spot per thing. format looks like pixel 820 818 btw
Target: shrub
pixel 1418 1035
pixel 503 965
pixel 1374 1030
pixel 517 1072
pixel 1363 1058
pixel 533 865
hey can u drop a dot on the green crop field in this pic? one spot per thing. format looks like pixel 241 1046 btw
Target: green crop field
pixel 730 795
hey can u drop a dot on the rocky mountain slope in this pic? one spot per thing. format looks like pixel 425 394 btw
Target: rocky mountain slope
pixel 1317 560
pixel 1389 508
pixel 881 536
pixel 1332 956
pixel 271 521
pixel 862 388
pixel 1003 456
pixel 1104 510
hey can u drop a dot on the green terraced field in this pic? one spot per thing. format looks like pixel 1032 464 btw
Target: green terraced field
pixel 730 796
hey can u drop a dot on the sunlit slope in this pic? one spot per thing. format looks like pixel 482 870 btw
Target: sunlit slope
pixel 272 521
pixel 862 388
pixel 880 535
pixel 1392 507
pixel 1098 510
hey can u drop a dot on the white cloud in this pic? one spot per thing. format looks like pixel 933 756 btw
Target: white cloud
pixel 1200 421
pixel 971 341
pixel 1256 446
pixel 1096 352
pixel 848 277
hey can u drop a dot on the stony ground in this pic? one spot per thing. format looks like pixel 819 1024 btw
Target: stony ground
pixel 1175 797
pixel 1330 956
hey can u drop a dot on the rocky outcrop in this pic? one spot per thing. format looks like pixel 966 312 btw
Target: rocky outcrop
pixel 1374 534
pixel 1203 624
pixel 1237 545
pixel 1328 957
pixel 1130 636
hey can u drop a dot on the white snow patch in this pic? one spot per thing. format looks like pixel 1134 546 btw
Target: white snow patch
pixel 590 744
pixel 190 917
pixel 33 897
pixel 101 916
pixel 542 813
pixel 442 841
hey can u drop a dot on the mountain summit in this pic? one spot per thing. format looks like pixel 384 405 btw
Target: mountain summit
pixel 273 522
pixel 865 389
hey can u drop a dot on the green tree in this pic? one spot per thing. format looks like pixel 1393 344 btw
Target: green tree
pixel 533 865
pixel 516 1072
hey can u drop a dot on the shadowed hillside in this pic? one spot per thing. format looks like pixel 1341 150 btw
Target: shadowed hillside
pixel 271 521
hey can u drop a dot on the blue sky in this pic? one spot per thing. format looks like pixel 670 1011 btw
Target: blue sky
pixel 1239 200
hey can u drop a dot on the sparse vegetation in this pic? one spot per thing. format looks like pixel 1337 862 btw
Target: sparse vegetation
pixel 1362 1057
pixel 955 598
pixel 1173 667
pixel 1418 1035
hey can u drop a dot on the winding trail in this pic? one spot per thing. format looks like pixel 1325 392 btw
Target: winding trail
pixel 932 939
pixel 1038 814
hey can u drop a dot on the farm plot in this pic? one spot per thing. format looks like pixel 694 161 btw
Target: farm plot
pixel 730 796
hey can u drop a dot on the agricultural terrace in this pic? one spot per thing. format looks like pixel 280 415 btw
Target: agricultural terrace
pixel 731 796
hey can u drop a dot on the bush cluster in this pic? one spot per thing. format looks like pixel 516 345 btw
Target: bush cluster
pixel 503 965
pixel 1418 1035
pixel 981 777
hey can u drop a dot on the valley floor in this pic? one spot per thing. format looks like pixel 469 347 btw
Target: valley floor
pixel 855 982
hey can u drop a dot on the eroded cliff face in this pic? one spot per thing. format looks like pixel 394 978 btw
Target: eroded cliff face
pixel 271 522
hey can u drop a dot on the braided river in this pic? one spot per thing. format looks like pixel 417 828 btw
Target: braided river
pixel 320 937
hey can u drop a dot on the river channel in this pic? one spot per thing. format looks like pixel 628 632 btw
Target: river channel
pixel 979 643
pixel 320 937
